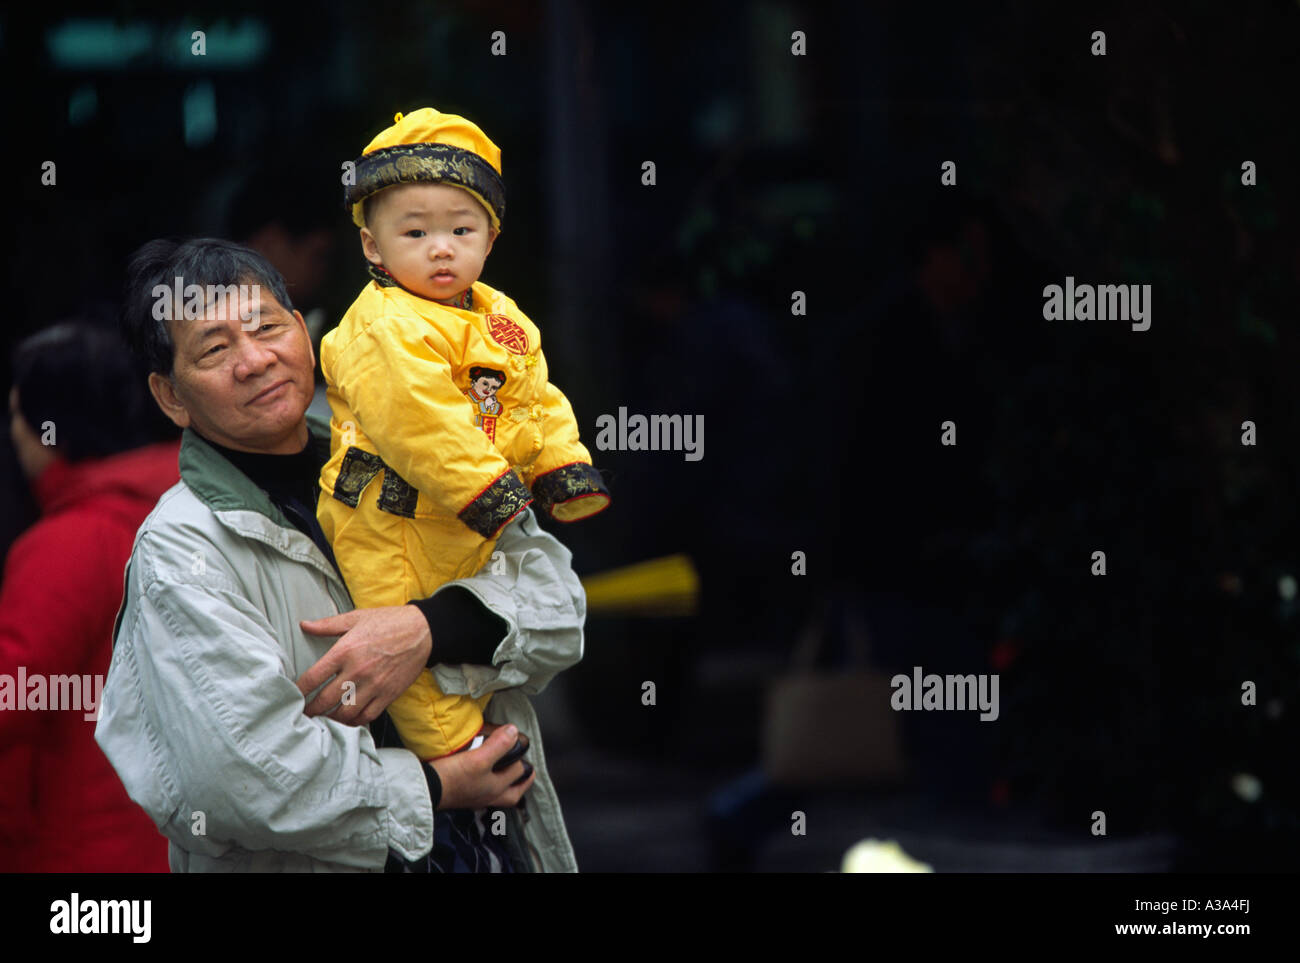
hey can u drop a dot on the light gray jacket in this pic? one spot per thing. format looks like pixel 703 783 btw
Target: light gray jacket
pixel 203 721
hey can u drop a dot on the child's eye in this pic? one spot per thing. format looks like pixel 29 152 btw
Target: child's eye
pixel 461 231
pixel 415 232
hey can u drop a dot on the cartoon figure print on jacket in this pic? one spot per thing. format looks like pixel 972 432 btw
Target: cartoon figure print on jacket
pixel 484 383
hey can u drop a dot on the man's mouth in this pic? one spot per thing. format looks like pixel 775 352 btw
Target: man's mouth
pixel 263 396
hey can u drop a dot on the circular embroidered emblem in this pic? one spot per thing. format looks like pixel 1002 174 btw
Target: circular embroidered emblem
pixel 507 334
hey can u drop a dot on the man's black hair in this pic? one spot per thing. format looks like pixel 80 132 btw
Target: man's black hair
pixel 203 261
pixel 82 381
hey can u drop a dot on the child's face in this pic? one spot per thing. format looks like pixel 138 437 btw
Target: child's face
pixel 433 238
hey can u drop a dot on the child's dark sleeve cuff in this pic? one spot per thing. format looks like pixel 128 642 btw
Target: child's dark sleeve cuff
pixel 464 630
pixel 571 492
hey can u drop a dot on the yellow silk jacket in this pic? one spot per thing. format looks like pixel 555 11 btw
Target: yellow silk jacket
pixel 403 405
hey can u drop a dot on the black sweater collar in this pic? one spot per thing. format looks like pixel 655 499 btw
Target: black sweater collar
pixel 275 474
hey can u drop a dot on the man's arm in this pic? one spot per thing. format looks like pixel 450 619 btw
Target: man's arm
pixel 207 733
pixel 529 584
pixel 527 591
pixel 461 628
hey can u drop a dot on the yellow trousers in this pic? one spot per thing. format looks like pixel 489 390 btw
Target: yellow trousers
pixel 386 559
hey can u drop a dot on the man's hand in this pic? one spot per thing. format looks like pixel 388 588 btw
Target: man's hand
pixel 381 653
pixel 490 727
pixel 468 781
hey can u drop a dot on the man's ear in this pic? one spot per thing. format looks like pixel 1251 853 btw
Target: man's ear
pixel 164 392
pixel 306 333
pixel 369 248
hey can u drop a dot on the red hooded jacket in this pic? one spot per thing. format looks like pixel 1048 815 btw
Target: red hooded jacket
pixel 62 807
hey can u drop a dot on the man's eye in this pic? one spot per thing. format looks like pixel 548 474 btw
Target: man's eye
pixel 213 350
pixel 269 325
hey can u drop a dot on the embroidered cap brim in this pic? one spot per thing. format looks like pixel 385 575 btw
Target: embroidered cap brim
pixel 426 163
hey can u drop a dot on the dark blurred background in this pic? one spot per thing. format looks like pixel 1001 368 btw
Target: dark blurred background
pixel 817 173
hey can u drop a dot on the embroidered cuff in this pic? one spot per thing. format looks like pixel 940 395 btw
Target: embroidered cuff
pixel 396 495
pixel 358 468
pixel 571 492
pixel 497 504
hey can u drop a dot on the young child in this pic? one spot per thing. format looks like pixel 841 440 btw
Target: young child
pixel 439 396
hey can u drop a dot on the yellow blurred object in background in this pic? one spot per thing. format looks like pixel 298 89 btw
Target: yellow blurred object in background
pixel 667 586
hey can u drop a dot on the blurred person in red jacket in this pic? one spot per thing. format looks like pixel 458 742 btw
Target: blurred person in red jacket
pixel 97 459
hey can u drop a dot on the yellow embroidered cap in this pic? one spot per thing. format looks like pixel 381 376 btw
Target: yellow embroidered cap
pixel 430 146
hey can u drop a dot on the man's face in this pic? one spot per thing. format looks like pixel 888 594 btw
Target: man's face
pixel 485 385
pixel 244 389
pixel 432 238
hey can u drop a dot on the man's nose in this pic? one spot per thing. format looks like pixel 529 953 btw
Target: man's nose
pixel 253 358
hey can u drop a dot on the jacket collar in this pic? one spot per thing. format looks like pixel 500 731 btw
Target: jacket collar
pixel 223 487
pixel 219 484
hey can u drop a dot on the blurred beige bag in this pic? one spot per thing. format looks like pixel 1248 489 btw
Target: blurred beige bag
pixel 824 728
